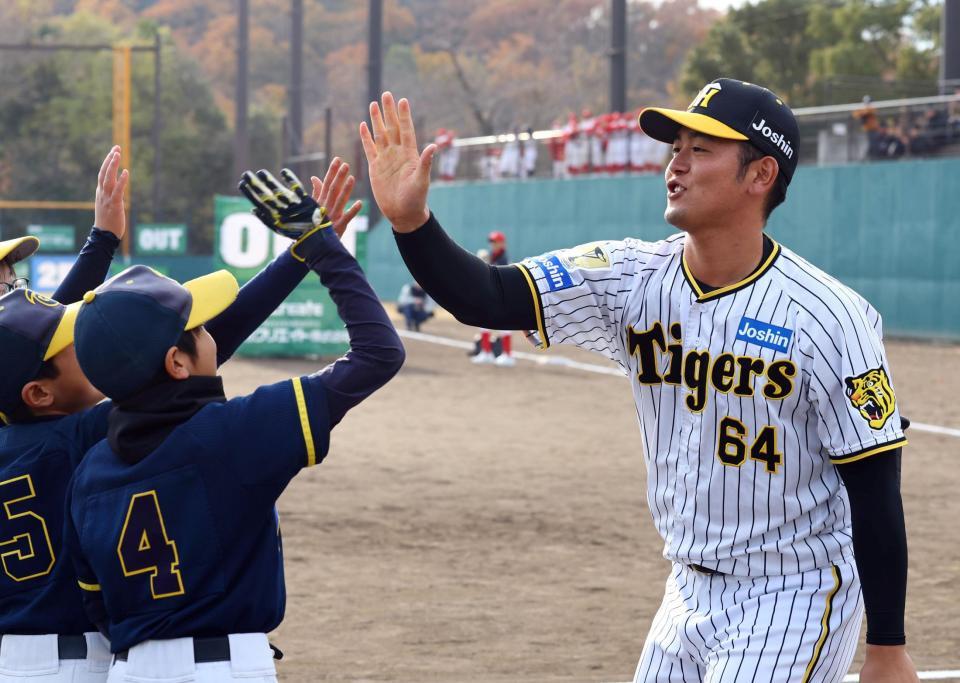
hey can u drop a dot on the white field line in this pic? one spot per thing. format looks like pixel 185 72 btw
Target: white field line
pixel 560 361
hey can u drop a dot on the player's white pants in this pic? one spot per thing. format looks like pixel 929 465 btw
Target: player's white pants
pixel 166 661
pixel 33 659
pixel 798 628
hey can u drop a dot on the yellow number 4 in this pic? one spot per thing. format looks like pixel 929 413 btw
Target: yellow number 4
pixel 145 548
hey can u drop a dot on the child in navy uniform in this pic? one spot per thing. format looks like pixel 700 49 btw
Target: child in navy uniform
pixel 173 515
pixel 45 635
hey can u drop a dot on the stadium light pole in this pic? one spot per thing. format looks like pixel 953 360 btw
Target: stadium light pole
pixel 295 118
pixel 241 142
pixel 374 85
pixel 618 55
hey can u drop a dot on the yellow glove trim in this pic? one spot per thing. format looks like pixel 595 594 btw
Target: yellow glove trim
pixel 293 247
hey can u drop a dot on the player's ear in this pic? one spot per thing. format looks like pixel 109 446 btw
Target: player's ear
pixel 37 394
pixel 175 363
pixel 763 175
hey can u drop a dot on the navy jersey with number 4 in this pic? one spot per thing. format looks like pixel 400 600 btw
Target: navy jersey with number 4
pixel 186 541
pixel 38 587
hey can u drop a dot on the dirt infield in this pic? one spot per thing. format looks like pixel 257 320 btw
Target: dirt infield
pixel 490 524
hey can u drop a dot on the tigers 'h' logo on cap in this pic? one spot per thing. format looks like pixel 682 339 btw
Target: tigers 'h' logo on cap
pixel 705 95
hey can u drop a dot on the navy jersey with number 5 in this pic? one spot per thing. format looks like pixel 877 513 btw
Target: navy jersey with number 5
pixel 38 588
pixel 186 541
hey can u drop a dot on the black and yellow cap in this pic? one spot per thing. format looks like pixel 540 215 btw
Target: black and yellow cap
pixel 33 329
pixel 733 110
pixel 16 250
pixel 125 326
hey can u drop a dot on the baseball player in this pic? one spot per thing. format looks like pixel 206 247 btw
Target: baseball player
pixel 498 351
pixel 770 426
pixel 173 515
pixel 44 633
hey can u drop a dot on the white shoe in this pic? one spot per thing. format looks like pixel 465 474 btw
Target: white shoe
pixel 483 358
pixel 505 361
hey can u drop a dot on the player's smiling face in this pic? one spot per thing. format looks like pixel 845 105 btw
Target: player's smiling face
pixel 702 185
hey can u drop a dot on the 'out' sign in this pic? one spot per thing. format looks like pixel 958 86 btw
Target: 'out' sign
pixel 245 242
pixel 161 238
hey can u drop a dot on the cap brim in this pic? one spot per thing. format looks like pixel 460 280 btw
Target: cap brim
pixel 18 249
pixel 663 124
pixel 211 294
pixel 63 335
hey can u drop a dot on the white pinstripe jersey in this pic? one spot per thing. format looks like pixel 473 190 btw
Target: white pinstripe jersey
pixel 747 396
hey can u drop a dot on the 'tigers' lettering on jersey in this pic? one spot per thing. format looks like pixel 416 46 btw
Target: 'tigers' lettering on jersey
pixel 699 371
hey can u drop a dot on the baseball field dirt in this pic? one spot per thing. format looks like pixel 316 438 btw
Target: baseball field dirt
pixel 487 524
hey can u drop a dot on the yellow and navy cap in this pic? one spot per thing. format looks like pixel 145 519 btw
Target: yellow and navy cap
pixel 18 249
pixel 733 110
pixel 126 326
pixel 33 329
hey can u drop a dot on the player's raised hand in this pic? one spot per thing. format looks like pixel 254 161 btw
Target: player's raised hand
pixel 108 212
pixel 399 174
pixel 287 209
pixel 333 192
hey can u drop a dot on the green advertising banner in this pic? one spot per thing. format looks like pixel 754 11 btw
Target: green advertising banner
pixel 161 238
pixel 307 322
pixel 54 238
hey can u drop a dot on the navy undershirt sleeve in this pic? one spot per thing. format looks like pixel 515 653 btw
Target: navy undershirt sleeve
pixel 91 267
pixel 477 294
pixel 879 543
pixel 376 352
pixel 256 300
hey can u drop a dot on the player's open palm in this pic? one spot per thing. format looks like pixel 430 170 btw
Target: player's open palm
pixel 399 174
pixel 108 212
pixel 333 193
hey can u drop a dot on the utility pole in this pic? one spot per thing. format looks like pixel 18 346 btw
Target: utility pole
pixel 374 83
pixel 295 118
pixel 618 55
pixel 157 123
pixel 241 141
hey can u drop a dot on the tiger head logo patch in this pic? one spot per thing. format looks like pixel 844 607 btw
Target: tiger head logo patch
pixel 871 394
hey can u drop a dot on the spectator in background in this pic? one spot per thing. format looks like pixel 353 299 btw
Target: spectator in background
pixel 558 149
pixel 528 159
pixel 618 144
pixel 415 305
pixel 449 155
pixel 953 117
pixel 870 123
pixel 484 353
pixel 510 158
pixel 597 135
pixel 490 164
pixel 576 159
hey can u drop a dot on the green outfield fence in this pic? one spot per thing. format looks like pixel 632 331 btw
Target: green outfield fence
pixel 889 230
